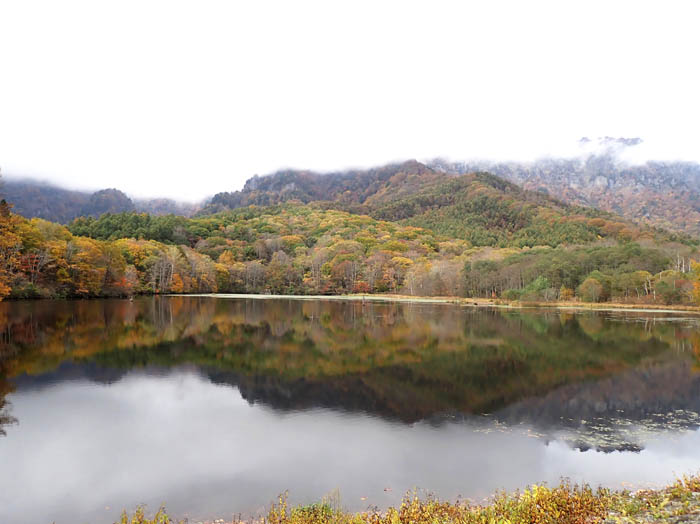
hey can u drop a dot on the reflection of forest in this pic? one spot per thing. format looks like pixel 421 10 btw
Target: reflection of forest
pixel 5 417
pixel 399 361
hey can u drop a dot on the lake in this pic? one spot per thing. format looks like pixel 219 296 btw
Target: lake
pixel 215 406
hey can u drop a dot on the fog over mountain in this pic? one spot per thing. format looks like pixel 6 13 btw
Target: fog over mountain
pixel 609 176
pixel 33 198
pixel 608 173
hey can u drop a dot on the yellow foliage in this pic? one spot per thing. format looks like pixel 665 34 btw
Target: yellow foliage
pixel 402 262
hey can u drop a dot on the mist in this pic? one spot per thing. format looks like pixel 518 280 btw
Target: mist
pixel 163 100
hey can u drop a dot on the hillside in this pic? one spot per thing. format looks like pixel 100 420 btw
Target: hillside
pixel 347 187
pixel 34 199
pixel 402 228
pixel 488 211
pixel 484 209
pixel 479 208
pixel 309 249
pixel 661 194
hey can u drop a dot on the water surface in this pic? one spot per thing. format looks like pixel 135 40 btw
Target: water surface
pixel 215 406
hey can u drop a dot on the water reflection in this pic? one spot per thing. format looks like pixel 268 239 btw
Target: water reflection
pixel 5 418
pixel 217 405
pixel 400 361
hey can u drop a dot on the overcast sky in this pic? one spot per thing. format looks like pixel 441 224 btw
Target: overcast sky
pixel 185 99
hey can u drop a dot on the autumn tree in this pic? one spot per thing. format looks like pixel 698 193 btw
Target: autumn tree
pixel 591 290
pixel 10 247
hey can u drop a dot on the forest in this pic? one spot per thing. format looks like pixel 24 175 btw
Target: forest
pixel 295 248
pixel 478 207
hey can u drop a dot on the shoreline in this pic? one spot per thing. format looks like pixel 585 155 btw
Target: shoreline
pixel 466 302
pixel 459 301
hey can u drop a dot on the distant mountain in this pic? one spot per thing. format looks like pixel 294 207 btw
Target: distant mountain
pixel 107 201
pixel 655 193
pixel 658 194
pixel 32 198
pixel 35 199
pixel 349 187
pixel 165 206
pixel 662 194
pixel 484 209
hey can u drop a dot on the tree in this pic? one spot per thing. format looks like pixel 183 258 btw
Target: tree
pixel 400 266
pixel 565 293
pixel 254 274
pixel 591 290
pixel 281 275
pixel 10 248
pixel 695 271
pixel 670 285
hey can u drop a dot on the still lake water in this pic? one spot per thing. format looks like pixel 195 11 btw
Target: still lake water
pixel 215 406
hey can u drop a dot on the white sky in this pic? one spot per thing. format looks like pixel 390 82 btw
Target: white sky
pixel 185 99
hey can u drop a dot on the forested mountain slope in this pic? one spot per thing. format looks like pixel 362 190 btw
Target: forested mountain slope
pixel 657 194
pixel 484 209
pixel 662 194
pixel 488 211
pixel 305 248
pixel 479 208
pixel 403 228
pixel 32 199
pixel 347 187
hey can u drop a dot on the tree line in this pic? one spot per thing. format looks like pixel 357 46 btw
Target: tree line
pixel 309 249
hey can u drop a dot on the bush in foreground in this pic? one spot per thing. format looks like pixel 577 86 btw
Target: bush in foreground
pixel 563 504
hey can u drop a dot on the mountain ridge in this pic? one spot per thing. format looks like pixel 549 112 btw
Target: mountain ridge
pixel 658 194
pixel 662 194
pixel 349 187
pixel 37 199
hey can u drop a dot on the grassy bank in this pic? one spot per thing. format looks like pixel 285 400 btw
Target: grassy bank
pixel 474 302
pixel 563 504
pixel 604 306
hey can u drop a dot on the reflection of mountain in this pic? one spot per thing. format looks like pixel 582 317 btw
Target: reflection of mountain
pixel 618 412
pixel 346 393
pixel 67 371
pixel 402 362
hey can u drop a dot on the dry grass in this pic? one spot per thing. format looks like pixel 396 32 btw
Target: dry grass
pixel 563 504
